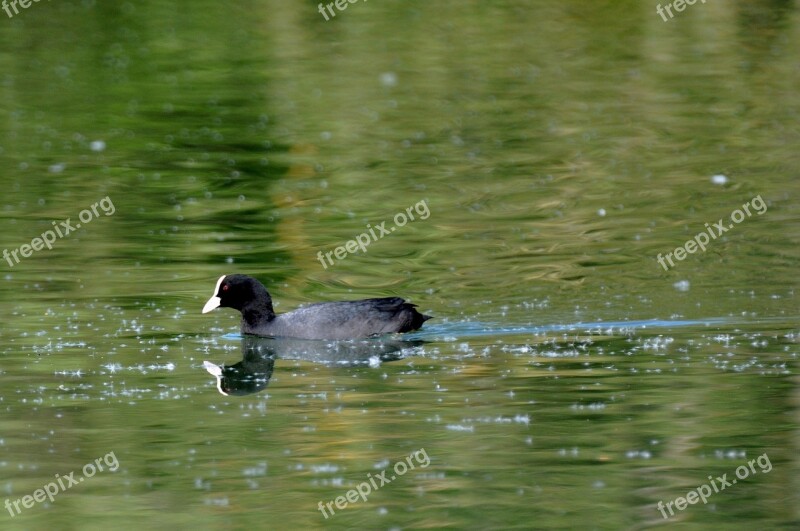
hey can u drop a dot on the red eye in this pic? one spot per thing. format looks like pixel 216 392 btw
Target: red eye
pixel 225 287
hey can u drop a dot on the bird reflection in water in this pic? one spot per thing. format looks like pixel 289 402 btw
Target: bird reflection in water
pixel 259 354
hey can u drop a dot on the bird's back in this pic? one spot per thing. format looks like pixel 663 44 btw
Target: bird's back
pixel 344 320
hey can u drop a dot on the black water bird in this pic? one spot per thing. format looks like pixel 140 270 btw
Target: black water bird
pixel 325 320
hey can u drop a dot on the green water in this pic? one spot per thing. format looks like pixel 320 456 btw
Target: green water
pixel 567 380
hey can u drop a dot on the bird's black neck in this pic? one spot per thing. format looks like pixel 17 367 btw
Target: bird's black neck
pixel 256 314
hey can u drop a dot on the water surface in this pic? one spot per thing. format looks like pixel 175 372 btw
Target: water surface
pixel 568 380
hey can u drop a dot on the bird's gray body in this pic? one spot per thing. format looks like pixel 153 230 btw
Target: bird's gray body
pixel 340 320
pixel 324 320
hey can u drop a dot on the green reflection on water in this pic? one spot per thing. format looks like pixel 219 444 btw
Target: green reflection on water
pixel 560 147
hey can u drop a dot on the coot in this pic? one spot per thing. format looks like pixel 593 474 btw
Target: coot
pixel 325 320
